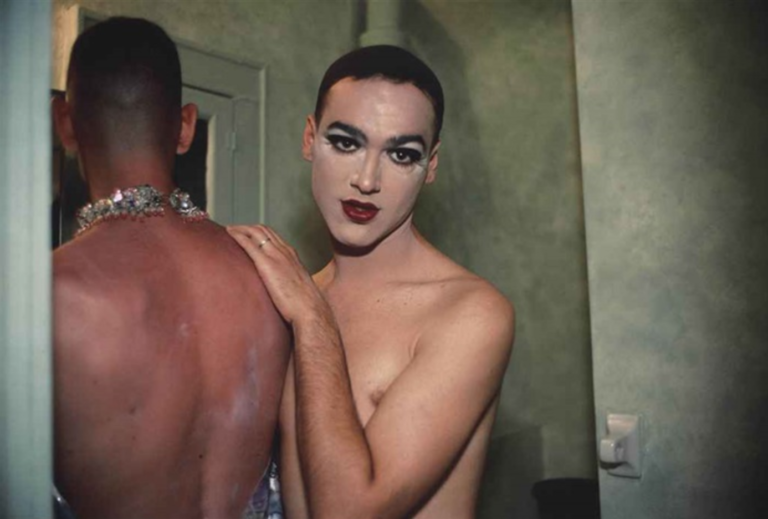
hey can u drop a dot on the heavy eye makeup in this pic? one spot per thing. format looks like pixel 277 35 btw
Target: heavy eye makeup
pixel 406 150
pixel 343 143
pixel 401 150
pixel 405 156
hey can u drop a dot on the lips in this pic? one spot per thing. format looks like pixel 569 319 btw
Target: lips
pixel 359 212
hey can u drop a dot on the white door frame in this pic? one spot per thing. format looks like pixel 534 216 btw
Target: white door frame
pixel 219 186
pixel 26 460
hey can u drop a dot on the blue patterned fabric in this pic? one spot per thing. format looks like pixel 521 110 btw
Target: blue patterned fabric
pixel 266 502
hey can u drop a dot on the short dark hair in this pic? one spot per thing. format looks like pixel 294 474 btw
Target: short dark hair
pixel 386 62
pixel 125 65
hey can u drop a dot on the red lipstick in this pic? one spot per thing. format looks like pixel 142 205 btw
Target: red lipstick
pixel 359 212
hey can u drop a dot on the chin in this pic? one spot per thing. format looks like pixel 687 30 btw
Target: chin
pixel 366 237
pixel 355 241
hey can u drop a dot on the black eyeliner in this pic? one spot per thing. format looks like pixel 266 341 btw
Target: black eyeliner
pixel 352 131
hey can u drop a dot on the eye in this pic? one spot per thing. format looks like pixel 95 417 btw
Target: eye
pixel 343 144
pixel 405 156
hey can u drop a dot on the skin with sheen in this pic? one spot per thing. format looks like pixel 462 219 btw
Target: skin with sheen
pixel 399 352
pixel 169 356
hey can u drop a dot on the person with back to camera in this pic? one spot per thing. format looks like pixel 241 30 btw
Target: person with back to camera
pixel 169 356
pixel 399 352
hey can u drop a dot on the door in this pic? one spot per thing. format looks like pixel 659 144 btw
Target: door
pixel 206 171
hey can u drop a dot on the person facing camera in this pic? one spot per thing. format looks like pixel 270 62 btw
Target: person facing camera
pixel 399 352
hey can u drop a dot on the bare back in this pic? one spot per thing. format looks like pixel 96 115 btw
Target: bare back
pixel 169 363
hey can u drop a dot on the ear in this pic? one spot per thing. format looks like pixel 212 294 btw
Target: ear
pixel 187 132
pixel 62 121
pixel 432 165
pixel 310 132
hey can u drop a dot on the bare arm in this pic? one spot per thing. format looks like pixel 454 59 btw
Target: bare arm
pixel 422 424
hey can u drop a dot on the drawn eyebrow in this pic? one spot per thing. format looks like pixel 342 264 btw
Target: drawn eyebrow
pixel 394 142
pixel 351 130
pixel 405 139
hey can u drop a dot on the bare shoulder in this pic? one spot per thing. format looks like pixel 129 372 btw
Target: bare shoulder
pixel 466 337
pixel 470 313
pixel 471 301
pixel 88 300
pixel 74 291
pixel 467 296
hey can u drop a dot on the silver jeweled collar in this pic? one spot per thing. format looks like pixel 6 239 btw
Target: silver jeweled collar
pixel 137 203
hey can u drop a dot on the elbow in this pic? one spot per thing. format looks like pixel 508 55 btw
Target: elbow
pixel 359 500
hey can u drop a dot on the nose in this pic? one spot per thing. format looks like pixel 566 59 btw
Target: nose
pixel 368 179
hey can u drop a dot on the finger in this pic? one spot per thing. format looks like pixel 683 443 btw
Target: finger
pixel 279 243
pixel 271 245
pixel 249 245
pixel 273 238
pixel 261 234
pixel 246 230
pixel 244 234
pixel 235 230
pixel 280 250
pixel 254 233
pixel 272 234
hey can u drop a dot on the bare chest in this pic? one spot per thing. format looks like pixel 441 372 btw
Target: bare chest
pixel 380 334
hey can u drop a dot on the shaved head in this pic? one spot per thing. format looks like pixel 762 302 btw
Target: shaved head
pixel 124 84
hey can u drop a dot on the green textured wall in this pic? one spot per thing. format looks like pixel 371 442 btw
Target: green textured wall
pixel 673 100
pixel 508 205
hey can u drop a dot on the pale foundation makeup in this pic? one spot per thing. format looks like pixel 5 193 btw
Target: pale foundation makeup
pixel 370 156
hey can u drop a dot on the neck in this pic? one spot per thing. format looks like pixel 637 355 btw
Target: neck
pixel 104 175
pixel 390 259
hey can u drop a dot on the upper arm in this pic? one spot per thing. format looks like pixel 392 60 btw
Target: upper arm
pixel 431 411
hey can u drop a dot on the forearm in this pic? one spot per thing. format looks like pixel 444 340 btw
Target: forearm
pixel 331 442
pixel 332 445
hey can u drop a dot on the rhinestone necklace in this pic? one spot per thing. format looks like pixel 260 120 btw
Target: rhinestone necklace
pixel 137 203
